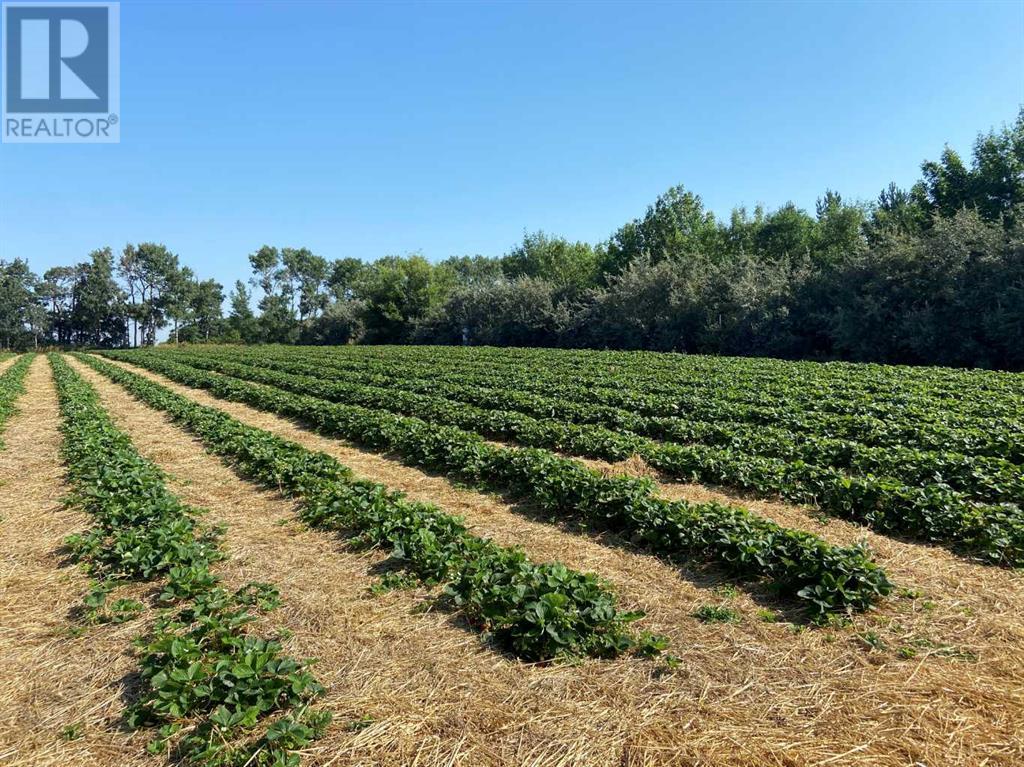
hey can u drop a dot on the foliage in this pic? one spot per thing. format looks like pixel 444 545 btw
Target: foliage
pixel 568 266
pixel 676 227
pixel 827 578
pixel 964 501
pixel 396 293
pixel 716 614
pixel 520 312
pixel 204 670
pixel 12 386
pixel 17 304
pixel 537 611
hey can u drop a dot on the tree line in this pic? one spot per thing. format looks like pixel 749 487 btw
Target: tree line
pixel 933 274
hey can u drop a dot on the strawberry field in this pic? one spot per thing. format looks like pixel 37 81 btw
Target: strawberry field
pixel 226 555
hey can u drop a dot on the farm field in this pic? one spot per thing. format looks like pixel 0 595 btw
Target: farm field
pixel 364 555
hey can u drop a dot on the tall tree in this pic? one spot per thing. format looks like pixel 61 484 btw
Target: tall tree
pixel 397 292
pixel 305 275
pixel 207 297
pixel 565 264
pixel 897 212
pixel 786 232
pixel 17 301
pixel 676 227
pixel 98 318
pixel 473 271
pixel 277 319
pixel 265 264
pixel 242 320
pixel 129 268
pixel 999 171
pixel 177 298
pixel 993 184
pixel 56 293
pixel 342 277
pixel 840 229
pixel 154 272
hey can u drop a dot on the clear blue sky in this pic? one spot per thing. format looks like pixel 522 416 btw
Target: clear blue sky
pixel 366 130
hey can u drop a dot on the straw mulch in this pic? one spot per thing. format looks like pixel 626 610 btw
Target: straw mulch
pixel 60 693
pixel 935 677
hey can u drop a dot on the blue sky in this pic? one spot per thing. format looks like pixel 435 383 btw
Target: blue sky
pixel 372 129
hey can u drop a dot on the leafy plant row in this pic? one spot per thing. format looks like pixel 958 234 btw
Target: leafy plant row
pixel 223 694
pixel 538 611
pixel 977 477
pixel 683 365
pixel 12 386
pixel 746 386
pixel 743 374
pixel 667 417
pixel 932 512
pixel 833 386
pixel 826 578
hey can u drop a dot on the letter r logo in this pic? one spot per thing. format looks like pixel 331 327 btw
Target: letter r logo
pixel 56 58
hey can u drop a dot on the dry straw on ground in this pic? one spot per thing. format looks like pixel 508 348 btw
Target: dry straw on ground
pixel 935 678
pixel 51 680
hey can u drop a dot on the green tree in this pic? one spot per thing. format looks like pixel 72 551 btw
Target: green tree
pixel 993 184
pixel 178 297
pixel 472 271
pixel 265 264
pixel 242 322
pixel 342 277
pixel 566 265
pixel 740 236
pixel 152 274
pixel 786 232
pixel 207 298
pixel 396 292
pixel 98 317
pixel 305 274
pixel 56 292
pixel 277 320
pixel 518 312
pixel 18 320
pixel 948 184
pixel 840 229
pixel 897 212
pixel 676 227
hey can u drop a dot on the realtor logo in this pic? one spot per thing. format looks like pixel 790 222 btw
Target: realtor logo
pixel 61 72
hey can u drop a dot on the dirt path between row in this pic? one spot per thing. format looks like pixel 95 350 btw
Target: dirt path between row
pixel 789 697
pixel 51 679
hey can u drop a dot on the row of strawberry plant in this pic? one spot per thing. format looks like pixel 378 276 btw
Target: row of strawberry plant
pixel 827 578
pixel 979 478
pixel 931 512
pixel 221 693
pixel 931 428
pixel 539 611
pixel 688 365
pixel 819 407
pixel 945 383
pixel 747 381
pixel 639 411
pixel 749 384
pixel 12 386
pixel 751 375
